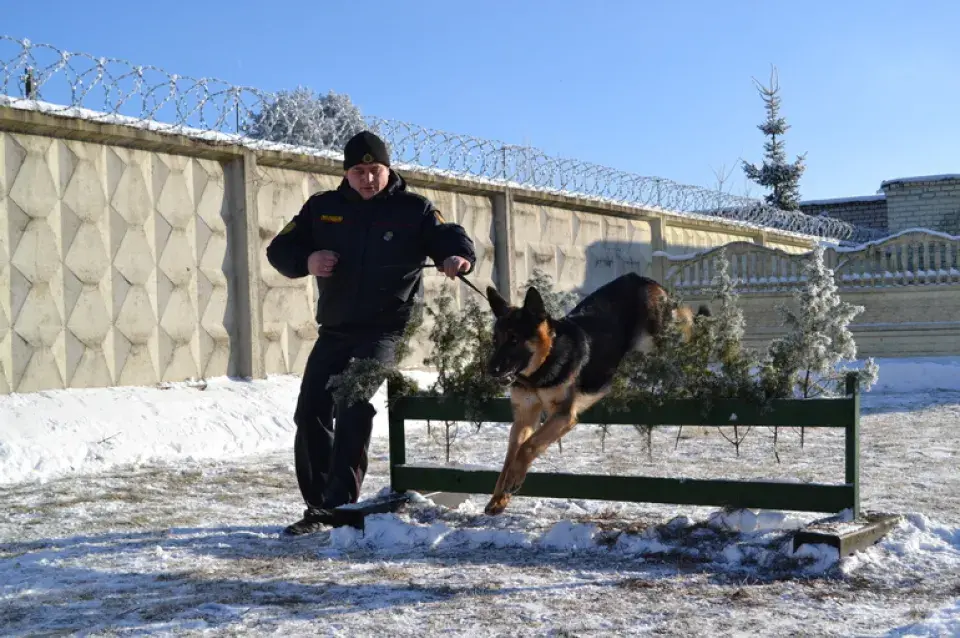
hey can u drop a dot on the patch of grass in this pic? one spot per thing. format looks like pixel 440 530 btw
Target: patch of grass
pixel 384 572
pixel 137 521
pixel 635 584
pixel 174 576
pixel 248 480
pixel 288 567
pixel 165 610
pixel 918 613
pixel 743 596
pixel 91 498
pixel 229 498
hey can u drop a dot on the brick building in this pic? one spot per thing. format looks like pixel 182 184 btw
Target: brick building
pixel 929 201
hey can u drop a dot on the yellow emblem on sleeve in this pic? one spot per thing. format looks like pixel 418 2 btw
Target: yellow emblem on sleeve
pixel 286 229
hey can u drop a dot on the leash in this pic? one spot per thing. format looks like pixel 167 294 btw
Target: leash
pixel 469 283
pixel 433 265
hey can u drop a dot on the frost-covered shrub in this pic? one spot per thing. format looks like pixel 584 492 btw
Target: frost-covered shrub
pixel 805 362
pixel 557 302
pixel 303 118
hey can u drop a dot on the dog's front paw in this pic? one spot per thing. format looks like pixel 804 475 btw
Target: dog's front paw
pixel 514 482
pixel 497 504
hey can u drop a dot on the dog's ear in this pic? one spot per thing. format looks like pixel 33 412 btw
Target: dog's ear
pixel 498 304
pixel 533 303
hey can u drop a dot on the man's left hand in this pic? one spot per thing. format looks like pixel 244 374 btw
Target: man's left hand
pixel 452 266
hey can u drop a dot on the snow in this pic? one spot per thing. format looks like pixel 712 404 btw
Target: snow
pixel 53 433
pixel 158 511
pixel 920 178
pixel 888 238
pixel 844 200
pixel 944 622
pixel 929 375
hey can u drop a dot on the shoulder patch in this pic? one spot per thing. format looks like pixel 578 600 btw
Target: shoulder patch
pixel 439 216
pixel 286 229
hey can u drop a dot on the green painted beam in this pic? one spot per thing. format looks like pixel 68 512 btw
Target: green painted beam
pixel 802 497
pixel 811 413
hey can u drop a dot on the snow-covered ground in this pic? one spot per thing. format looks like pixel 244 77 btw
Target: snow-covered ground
pixel 158 511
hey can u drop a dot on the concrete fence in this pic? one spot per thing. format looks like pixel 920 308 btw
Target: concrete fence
pixel 908 284
pixel 131 257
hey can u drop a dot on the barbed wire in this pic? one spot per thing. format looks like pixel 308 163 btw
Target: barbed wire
pixel 108 88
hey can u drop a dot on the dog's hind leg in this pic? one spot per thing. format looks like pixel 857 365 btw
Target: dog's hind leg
pixel 526 413
pixel 563 419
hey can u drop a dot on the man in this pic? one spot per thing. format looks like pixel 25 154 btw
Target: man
pixel 365 242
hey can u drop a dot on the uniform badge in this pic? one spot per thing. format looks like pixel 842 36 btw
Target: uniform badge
pixel 439 216
pixel 286 229
pixel 367 158
pixel 387 236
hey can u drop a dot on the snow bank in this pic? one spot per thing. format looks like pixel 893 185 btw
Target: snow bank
pixel 739 541
pixel 46 434
pixel 943 622
pixel 917 374
pixel 52 433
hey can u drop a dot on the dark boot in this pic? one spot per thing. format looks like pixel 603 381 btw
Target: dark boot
pixel 314 520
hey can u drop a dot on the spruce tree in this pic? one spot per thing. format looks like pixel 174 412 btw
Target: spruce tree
pixel 775 172
pixel 803 362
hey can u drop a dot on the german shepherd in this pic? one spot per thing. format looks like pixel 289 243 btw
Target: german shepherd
pixel 563 366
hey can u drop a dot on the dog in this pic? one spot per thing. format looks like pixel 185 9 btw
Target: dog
pixel 563 366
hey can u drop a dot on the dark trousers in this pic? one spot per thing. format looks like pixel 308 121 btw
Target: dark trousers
pixel 332 462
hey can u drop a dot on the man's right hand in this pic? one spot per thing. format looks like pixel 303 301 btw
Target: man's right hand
pixel 321 263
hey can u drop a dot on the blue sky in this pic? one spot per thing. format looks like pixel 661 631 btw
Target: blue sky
pixel 869 88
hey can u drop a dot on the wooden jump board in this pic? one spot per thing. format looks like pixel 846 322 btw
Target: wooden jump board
pixel 847 537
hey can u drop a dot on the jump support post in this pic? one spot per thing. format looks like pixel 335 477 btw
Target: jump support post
pixel 832 498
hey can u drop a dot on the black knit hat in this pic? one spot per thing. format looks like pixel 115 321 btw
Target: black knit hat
pixel 365 148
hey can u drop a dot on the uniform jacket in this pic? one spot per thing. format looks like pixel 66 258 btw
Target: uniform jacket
pixel 382 244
